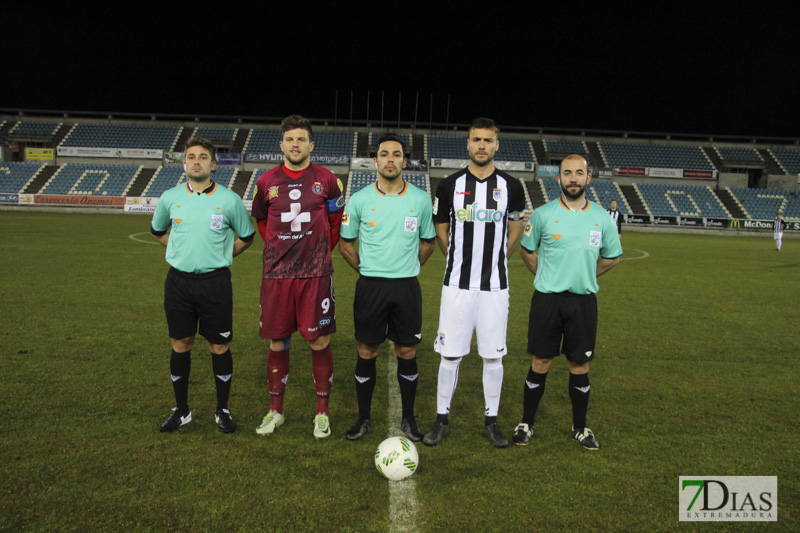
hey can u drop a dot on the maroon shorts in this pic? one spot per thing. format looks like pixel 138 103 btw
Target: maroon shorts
pixel 306 305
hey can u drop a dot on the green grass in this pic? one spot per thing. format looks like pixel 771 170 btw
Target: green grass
pixel 695 374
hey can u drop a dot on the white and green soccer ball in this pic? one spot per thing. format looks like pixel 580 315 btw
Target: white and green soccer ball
pixel 396 458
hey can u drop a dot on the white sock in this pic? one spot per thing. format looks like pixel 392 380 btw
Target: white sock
pixel 448 378
pixel 492 384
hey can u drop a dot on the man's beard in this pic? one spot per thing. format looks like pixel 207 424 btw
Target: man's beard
pixel 573 196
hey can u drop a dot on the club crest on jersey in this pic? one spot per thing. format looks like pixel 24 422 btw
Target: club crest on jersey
pixel 497 194
pixel 317 188
pixel 273 192
pixel 216 221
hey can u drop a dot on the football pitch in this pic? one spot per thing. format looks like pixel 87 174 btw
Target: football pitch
pixel 695 375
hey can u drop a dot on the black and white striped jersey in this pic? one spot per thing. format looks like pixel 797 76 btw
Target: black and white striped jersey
pixel 478 212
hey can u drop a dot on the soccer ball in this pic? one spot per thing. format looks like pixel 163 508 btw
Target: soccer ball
pixel 396 458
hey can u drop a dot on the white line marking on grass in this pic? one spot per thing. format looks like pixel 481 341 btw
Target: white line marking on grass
pixel 643 256
pixel 149 240
pixel 402 494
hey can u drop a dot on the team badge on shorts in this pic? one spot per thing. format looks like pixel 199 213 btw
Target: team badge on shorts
pixel 216 221
pixel 595 238
pixel 411 224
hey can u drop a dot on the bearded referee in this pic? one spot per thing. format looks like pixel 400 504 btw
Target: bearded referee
pixel 567 245
pixel 196 222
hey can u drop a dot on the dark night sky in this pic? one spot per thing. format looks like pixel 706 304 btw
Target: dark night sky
pixel 692 71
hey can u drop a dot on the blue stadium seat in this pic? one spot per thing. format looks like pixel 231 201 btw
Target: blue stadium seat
pixel 91 179
pixel 681 200
pixel 129 136
pixel 764 204
pixel 15 175
pixel 789 159
pixel 35 128
pixel 654 155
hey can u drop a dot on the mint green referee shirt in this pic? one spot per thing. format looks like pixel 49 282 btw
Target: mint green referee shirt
pixel 201 226
pixel 388 228
pixel 568 244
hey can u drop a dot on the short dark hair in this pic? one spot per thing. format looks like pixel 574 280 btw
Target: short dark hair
pixel 484 123
pixel 205 143
pixel 387 137
pixel 293 122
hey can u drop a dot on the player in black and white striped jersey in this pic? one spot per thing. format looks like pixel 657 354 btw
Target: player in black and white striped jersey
pixel 778 226
pixel 478 219
pixel 616 216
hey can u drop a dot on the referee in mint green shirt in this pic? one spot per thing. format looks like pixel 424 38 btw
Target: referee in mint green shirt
pixel 196 222
pixel 393 221
pixel 568 243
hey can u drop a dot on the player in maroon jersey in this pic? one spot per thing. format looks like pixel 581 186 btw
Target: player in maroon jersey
pixel 298 206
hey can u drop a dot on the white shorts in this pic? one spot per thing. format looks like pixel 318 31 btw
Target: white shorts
pixel 462 312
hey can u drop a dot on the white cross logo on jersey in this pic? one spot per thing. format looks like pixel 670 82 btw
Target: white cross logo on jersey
pixel 295 217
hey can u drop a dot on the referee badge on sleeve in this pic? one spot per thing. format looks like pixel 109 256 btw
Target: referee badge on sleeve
pixel 345 219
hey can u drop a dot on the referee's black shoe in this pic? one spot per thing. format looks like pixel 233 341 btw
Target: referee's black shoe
pixel 410 428
pixel 176 420
pixel 586 438
pixel 224 421
pixel 495 436
pixel 359 429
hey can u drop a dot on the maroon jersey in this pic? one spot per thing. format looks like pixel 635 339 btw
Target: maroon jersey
pixel 296 240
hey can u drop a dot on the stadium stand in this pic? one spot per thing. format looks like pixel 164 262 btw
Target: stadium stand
pixel 764 204
pixel 361 178
pixel 731 154
pixel 91 179
pixel 263 141
pixel 455 147
pixel 681 200
pixel 788 158
pixel 14 175
pixel 218 134
pixel 600 192
pixel 618 154
pixel 168 177
pixel 129 136
pixel 564 146
pixel 446 147
pixel 334 143
pixel 326 143
pixel 43 129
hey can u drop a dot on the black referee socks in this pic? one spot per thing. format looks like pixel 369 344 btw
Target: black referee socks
pixel 180 366
pixel 222 364
pixel 579 394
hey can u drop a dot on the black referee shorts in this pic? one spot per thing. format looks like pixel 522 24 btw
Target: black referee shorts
pixel 384 307
pixel 567 316
pixel 206 299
